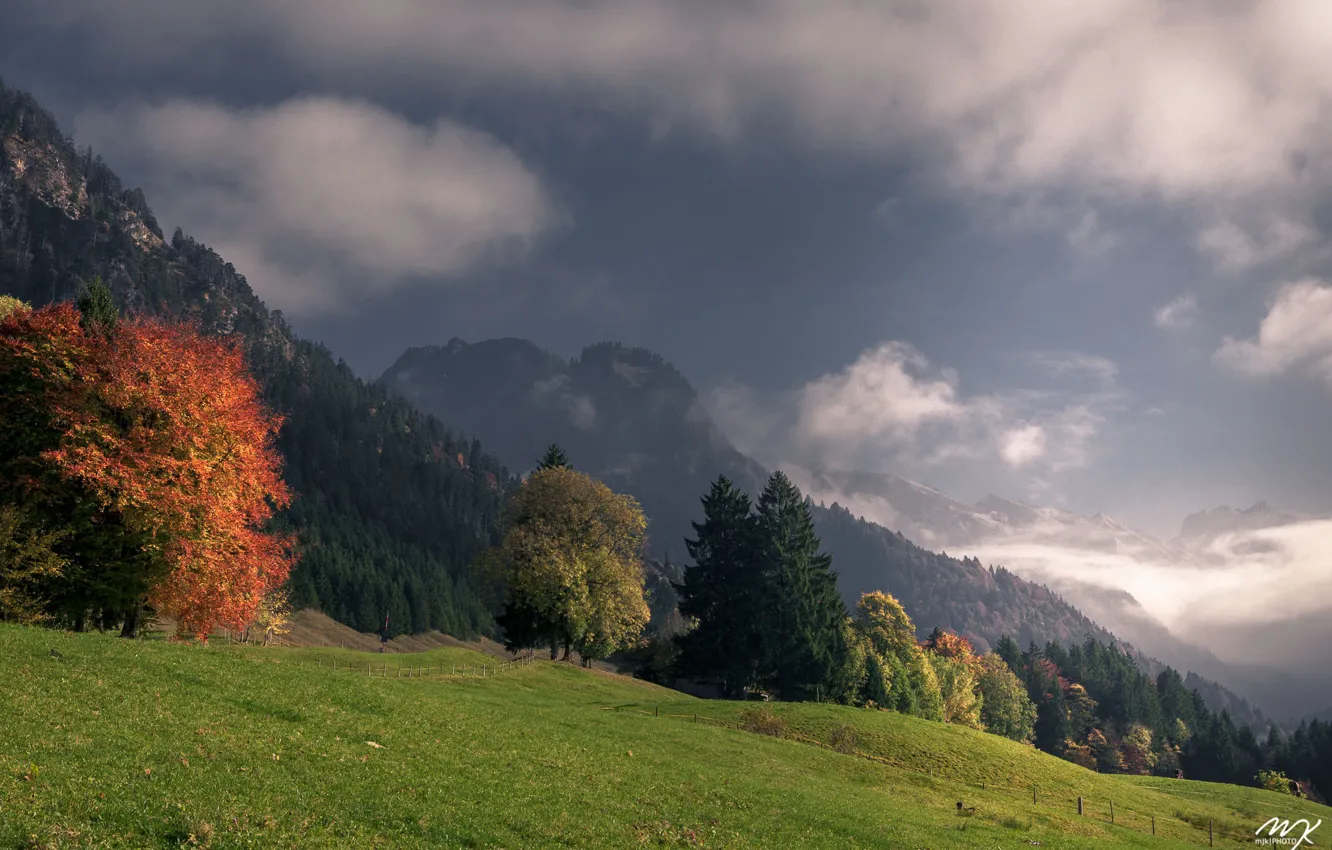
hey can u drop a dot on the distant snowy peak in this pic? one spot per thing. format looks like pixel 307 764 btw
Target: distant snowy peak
pixel 1208 524
pixel 935 520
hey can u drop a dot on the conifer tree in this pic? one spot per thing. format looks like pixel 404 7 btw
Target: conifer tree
pixel 97 309
pixel 805 646
pixel 554 458
pixel 721 593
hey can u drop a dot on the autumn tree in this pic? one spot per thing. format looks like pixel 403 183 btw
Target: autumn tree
pixel 914 685
pixel 28 561
pixel 953 661
pixel 572 565
pixel 272 618
pixel 9 304
pixel 1005 707
pixel 148 441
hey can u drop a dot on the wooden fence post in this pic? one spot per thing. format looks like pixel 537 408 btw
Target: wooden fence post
pixel 1079 805
pixel 1112 811
pixel 1153 824
pixel 1033 794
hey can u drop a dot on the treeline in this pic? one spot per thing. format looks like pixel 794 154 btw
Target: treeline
pixel 761 618
pixel 1095 707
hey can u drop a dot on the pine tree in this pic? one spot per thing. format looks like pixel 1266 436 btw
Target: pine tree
pixel 554 458
pixel 805 646
pixel 722 593
pixel 97 309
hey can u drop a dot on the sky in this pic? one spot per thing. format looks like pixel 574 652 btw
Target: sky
pixel 1074 254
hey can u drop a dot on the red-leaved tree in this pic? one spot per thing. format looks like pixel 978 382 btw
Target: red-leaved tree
pixel 165 426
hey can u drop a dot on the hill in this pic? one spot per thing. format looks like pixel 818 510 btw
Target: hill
pixel 391 505
pixel 119 743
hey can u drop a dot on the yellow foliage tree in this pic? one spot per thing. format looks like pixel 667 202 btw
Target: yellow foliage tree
pixel 9 304
pixel 882 619
pixel 957 688
pixel 273 616
pixel 26 559
pixel 914 686
pixel 571 563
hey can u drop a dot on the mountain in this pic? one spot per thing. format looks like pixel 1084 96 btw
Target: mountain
pixel 391 506
pixel 1201 528
pixel 628 417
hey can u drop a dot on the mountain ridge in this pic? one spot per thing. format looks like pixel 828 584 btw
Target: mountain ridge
pixel 650 435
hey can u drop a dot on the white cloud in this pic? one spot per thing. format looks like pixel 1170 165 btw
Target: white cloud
pixel 891 410
pixel 883 394
pixel 1019 446
pixel 322 201
pixel 1297 331
pixel 1180 313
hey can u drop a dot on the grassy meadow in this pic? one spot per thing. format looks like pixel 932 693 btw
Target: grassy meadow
pixel 112 743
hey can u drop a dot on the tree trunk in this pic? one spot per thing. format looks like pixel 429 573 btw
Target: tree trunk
pixel 567 648
pixel 81 621
pixel 554 649
pixel 132 618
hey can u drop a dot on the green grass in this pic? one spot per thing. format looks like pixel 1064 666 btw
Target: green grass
pixel 149 744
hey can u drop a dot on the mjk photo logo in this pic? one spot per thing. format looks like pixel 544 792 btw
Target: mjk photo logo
pixel 1285 833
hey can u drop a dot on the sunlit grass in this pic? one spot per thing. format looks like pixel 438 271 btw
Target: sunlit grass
pixel 148 744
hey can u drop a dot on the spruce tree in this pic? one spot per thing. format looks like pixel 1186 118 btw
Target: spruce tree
pixel 554 458
pixel 804 640
pixel 722 593
pixel 97 309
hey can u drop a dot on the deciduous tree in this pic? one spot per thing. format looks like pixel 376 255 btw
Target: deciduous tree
pixel 572 562
pixel 1005 707
pixel 28 561
pixel 162 433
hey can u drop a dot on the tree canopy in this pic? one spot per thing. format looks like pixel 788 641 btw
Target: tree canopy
pixel 571 565
pixel 145 445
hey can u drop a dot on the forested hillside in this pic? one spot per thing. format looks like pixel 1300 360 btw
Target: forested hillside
pixel 390 505
pixel 628 417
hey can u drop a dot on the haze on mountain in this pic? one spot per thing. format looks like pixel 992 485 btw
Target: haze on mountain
pixel 1075 256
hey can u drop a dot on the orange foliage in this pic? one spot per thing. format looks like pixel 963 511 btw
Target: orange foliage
pixel 949 644
pixel 166 426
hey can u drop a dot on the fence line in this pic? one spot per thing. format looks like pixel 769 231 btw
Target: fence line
pixel 1181 828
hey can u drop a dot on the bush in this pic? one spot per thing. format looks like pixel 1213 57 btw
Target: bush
pixel 843 739
pixel 1275 780
pixel 762 721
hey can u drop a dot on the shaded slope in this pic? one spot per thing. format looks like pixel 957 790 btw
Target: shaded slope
pixel 391 505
